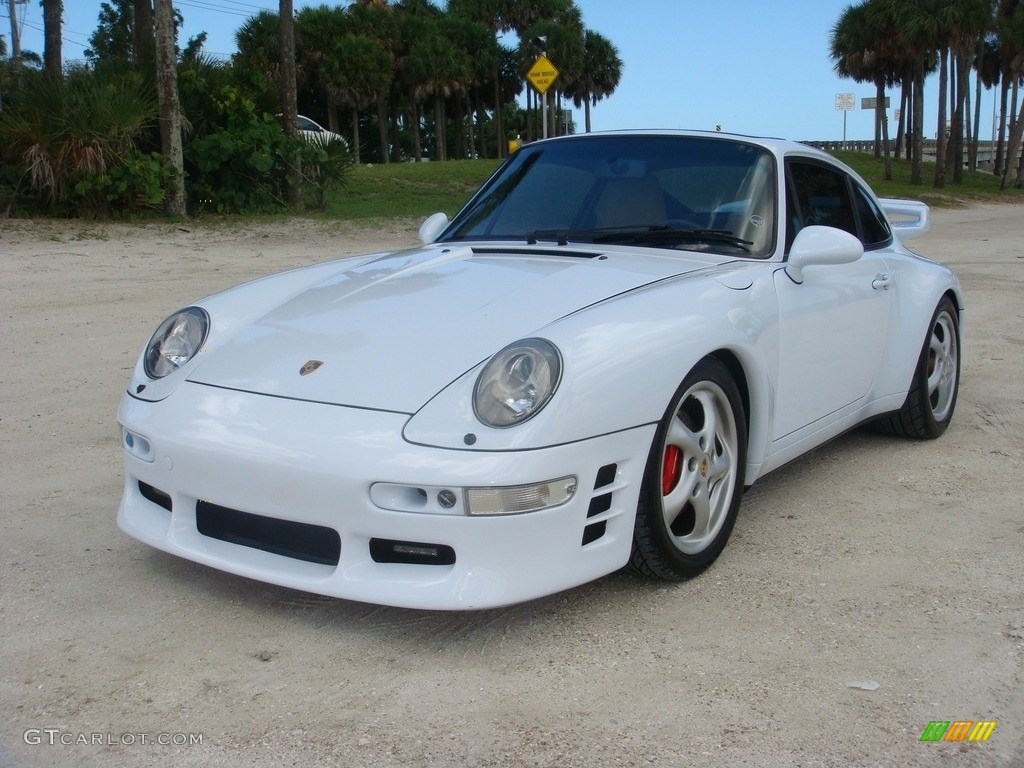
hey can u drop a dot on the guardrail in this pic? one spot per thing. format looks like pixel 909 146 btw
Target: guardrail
pixel 986 149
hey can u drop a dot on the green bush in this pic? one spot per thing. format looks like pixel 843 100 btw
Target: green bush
pixel 240 165
pixel 326 164
pixel 239 170
pixel 137 184
pixel 56 135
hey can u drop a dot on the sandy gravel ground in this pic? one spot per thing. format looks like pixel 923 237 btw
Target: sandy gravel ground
pixel 873 559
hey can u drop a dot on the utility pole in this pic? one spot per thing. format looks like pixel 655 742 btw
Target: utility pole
pixel 15 37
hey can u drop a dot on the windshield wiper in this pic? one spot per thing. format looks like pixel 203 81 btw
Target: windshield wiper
pixel 670 235
pixel 655 235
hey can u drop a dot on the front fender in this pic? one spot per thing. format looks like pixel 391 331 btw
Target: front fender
pixel 233 309
pixel 622 361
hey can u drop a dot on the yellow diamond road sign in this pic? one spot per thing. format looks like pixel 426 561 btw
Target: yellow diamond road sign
pixel 542 74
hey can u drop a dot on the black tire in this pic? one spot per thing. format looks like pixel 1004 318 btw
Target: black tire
pixel 932 397
pixel 694 477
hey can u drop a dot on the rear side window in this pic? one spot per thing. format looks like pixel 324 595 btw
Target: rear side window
pixel 874 226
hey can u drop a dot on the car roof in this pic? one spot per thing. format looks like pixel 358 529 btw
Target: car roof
pixel 776 145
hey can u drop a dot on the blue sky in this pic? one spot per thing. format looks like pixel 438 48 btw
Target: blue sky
pixel 747 65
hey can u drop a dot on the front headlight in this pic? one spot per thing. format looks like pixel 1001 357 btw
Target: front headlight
pixel 176 341
pixel 517 383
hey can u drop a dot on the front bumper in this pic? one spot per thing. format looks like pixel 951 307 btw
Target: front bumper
pixel 315 464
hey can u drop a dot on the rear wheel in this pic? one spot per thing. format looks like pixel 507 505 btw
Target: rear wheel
pixel 694 477
pixel 932 397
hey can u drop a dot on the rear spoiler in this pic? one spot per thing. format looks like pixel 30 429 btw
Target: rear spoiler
pixel 909 218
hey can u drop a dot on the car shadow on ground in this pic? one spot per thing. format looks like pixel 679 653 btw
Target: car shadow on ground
pixel 619 593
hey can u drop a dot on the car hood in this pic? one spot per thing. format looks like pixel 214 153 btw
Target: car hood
pixel 391 333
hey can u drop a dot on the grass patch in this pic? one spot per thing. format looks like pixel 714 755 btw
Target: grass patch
pixel 419 189
pixel 977 187
pixel 416 190
pixel 407 189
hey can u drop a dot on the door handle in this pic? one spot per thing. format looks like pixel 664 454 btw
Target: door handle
pixel 881 282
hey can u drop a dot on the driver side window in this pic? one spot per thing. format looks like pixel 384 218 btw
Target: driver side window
pixel 817 195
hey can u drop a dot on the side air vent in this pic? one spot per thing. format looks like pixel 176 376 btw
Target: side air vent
pixel 600 503
pixel 606 475
pixel 594 531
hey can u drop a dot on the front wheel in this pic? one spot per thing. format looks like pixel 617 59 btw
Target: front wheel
pixel 694 477
pixel 932 397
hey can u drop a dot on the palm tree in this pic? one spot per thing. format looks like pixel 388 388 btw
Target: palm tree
pixel 62 132
pixel 859 50
pixel 522 16
pixel 415 20
pixel 483 57
pixel 111 41
pixel 376 19
pixel 599 75
pixel 965 21
pixel 317 32
pixel 990 68
pixel 3 55
pixel 259 47
pixel 53 11
pixel 143 30
pixel 289 107
pixel 563 45
pixel 443 70
pixel 979 54
pixel 363 76
pixel 913 30
pixel 1010 25
pixel 491 15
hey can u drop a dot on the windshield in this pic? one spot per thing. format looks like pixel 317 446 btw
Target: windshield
pixel 689 193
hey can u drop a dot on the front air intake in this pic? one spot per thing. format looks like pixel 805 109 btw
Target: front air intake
pixel 158 497
pixel 300 541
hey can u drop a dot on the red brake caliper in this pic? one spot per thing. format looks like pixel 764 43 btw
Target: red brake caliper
pixel 671 468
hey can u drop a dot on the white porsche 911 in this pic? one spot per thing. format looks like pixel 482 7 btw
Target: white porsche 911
pixel 579 372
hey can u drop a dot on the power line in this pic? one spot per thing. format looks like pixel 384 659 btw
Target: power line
pixel 216 9
pixel 63 36
pixel 200 6
pixel 247 5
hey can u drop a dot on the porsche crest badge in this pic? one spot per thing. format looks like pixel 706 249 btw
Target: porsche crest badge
pixel 309 366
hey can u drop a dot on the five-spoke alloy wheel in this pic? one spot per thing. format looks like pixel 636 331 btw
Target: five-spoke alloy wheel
pixel 932 397
pixel 694 477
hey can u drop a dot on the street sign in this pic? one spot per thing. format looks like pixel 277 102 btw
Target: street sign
pixel 542 74
pixel 870 102
pixel 845 102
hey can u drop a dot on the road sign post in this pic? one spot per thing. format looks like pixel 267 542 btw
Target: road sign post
pixel 541 75
pixel 845 102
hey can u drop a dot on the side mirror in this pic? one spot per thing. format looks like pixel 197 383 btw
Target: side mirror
pixel 817 246
pixel 432 227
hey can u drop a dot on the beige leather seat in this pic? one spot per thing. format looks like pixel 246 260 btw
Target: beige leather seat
pixel 631 202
